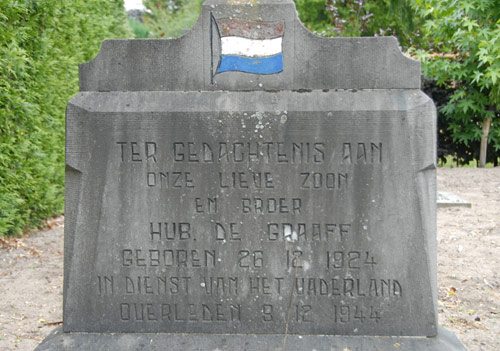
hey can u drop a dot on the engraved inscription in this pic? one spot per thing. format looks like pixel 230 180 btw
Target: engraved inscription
pixel 228 231
pixel 169 231
pixel 271 205
pixel 249 152
pixel 240 230
pixel 247 259
pixel 137 151
pixel 267 313
pixel 362 153
pixel 106 285
pixel 301 232
pixel 348 313
pixel 156 285
pixel 348 287
pixel 246 180
pixel 169 180
pixel 303 313
pixel 220 286
pixel 168 258
pixel 208 205
pixel 177 312
pixel 315 180
pixel 350 260
pixel 266 286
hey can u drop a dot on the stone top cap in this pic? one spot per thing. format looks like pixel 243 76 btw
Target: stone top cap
pixel 249 45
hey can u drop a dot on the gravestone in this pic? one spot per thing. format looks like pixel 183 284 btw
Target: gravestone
pixel 250 186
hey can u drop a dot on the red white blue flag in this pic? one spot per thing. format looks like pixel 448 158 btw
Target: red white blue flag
pixel 248 46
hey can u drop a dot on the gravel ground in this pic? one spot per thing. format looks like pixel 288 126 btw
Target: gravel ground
pixel 468 269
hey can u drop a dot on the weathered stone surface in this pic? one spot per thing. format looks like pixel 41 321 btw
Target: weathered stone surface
pixel 202 199
pixel 240 182
pixel 448 199
pixel 58 340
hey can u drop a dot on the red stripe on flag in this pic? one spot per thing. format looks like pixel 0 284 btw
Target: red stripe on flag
pixel 250 29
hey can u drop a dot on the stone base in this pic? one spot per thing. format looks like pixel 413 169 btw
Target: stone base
pixel 59 341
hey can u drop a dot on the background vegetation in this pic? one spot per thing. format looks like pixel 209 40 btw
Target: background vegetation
pixel 169 18
pixel 460 52
pixel 361 18
pixel 42 42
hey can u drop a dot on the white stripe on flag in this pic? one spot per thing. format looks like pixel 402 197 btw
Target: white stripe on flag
pixel 250 47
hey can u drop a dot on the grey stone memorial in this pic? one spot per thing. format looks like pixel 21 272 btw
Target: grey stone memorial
pixel 250 186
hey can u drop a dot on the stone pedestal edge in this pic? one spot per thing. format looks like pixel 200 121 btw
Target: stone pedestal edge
pixel 58 341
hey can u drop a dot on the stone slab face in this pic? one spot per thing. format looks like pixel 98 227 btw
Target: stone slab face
pixel 449 199
pixel 220 212
pixel 58 340
pixel 299 199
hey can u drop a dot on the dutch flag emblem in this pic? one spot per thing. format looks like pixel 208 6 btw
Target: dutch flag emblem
pixel 248 46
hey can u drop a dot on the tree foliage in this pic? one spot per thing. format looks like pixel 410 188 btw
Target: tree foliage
pixel 360 18
pixel 169 18
pixel 461 51
pixel 138 28
pixel 42 42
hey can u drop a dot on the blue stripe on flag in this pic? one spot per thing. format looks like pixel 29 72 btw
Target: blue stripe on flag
pixel 258 65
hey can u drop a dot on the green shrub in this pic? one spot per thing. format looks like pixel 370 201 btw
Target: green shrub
pixel 360 18
pixel 169 18
pixel 139 29
pixel 42 42
pixel 462 53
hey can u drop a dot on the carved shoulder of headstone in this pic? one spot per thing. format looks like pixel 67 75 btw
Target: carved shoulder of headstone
pixel 265 38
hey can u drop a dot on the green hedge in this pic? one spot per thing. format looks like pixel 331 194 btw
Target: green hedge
pixel 42 42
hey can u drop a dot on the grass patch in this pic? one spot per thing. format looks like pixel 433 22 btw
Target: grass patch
pixel 453 162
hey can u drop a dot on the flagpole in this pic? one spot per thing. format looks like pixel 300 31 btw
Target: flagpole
pixel 211 49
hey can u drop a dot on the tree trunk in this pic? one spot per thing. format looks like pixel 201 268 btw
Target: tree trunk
pixel 484 142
